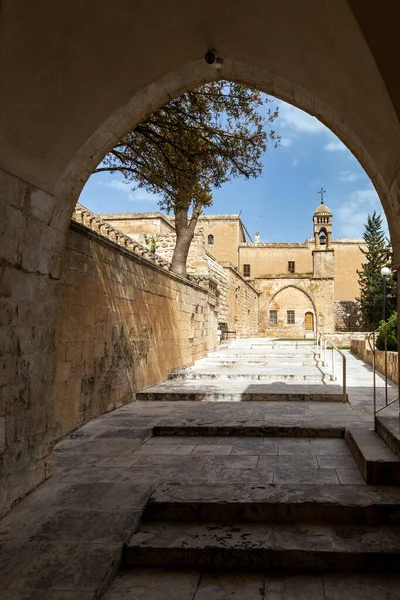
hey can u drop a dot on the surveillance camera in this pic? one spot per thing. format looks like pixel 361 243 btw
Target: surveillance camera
pixel 211 57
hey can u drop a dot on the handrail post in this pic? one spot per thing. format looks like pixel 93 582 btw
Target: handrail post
pixel 344 380
pixel 374 370
pixel 386 370
pixel 333 365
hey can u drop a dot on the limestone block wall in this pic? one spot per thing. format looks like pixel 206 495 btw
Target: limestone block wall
pixel 360 347
pixel 343 339
pixel 221 278
pixel 273 258
pixel 236 298
pixel 123 324
pixel 300 293
pixel 242 304
pixel 343 322
pixel 31 241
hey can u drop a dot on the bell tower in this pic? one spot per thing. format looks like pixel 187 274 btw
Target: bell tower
pixel 322 220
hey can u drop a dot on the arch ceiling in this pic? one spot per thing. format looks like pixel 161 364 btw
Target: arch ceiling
pixel 79 75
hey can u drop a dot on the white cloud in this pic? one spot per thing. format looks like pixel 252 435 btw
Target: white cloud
pixel 353 212
pixel 296 121
pixel 137 195
pixel 286 142
pixel 349 176
pixel 335 146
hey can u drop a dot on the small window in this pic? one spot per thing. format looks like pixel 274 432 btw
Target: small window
pixel 291 266
pixel 246 270
pixel 273 317
pixel 290 317
pixel 211 240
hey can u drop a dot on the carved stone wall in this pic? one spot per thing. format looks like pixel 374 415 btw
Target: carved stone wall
pixel 124 323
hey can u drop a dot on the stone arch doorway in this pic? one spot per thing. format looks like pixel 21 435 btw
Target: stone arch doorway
pixel 64 109
pixel 309 321
pixel 290 313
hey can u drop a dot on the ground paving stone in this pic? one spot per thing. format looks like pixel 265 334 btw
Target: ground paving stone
pixel 242 586
pixel 234 462
pixel 147 584
pixel 101 469
pixel 66 566
pixel 290 460
pixel 304 475
pixel 45 594
pixel 155 584
pixel 229 476
pixel 350 476
pixel 336 462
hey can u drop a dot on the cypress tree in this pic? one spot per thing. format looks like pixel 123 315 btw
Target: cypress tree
pixel 378 254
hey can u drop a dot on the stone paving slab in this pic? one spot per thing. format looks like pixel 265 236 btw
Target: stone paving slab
pixel 303 546
pixel 161 584
pixel 103 479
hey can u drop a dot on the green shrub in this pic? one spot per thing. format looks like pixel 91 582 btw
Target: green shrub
pixel 391 334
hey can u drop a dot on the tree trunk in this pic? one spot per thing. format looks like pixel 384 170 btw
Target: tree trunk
pixel 184 235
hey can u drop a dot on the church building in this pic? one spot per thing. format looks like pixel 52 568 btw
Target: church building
pixel 301 287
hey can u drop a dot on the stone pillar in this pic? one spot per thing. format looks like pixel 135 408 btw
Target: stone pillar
pixel 322 284
pixel 32 238
pixel 328 240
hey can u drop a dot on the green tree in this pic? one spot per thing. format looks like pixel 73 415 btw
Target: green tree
pixel 390 332
pixel 190 146
pixel 378 254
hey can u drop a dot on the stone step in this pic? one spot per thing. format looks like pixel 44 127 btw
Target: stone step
pixel 334 504
pixel 260 362
pixel 388 428
pixel 193 375
pixel 377 463
pixel 303 430
pixel 262 355
pixel 283 344
pixel 240 430
pixel 254 546
pixel 159 396
pixel 152 583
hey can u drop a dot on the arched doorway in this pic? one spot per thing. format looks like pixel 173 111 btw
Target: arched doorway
pixel 309 321
pixel 290 313
pixel 77 101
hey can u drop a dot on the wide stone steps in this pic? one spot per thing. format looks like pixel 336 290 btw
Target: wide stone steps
pixel 388 428
pixel 265 546
pixel 258 362
pixel 252 375
pixel 244 390
pixel 376 461
pixel 245 429
pixel 283 354
pixel 329 504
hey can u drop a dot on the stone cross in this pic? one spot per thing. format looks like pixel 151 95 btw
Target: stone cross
pixel 322 192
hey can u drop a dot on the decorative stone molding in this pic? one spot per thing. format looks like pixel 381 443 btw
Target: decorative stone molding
pixel 85 217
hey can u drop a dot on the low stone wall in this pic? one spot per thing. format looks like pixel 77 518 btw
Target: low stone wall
pixel 123 324
pixel 343 340
pixel 360 347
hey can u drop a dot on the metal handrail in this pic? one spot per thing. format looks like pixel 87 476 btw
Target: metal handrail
pixel 373 350
pixel 322 337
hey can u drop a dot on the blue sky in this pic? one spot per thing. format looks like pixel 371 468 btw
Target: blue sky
pixel 279 204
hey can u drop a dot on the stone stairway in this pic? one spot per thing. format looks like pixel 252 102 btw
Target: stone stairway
pixel 292 507
pixel 269 528
pixel 252 370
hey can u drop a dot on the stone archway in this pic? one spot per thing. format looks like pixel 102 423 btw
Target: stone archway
pixel 67 101
pixel 286 312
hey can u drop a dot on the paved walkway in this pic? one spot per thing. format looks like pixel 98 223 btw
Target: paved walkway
pixel 65 540
pixel 264 369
